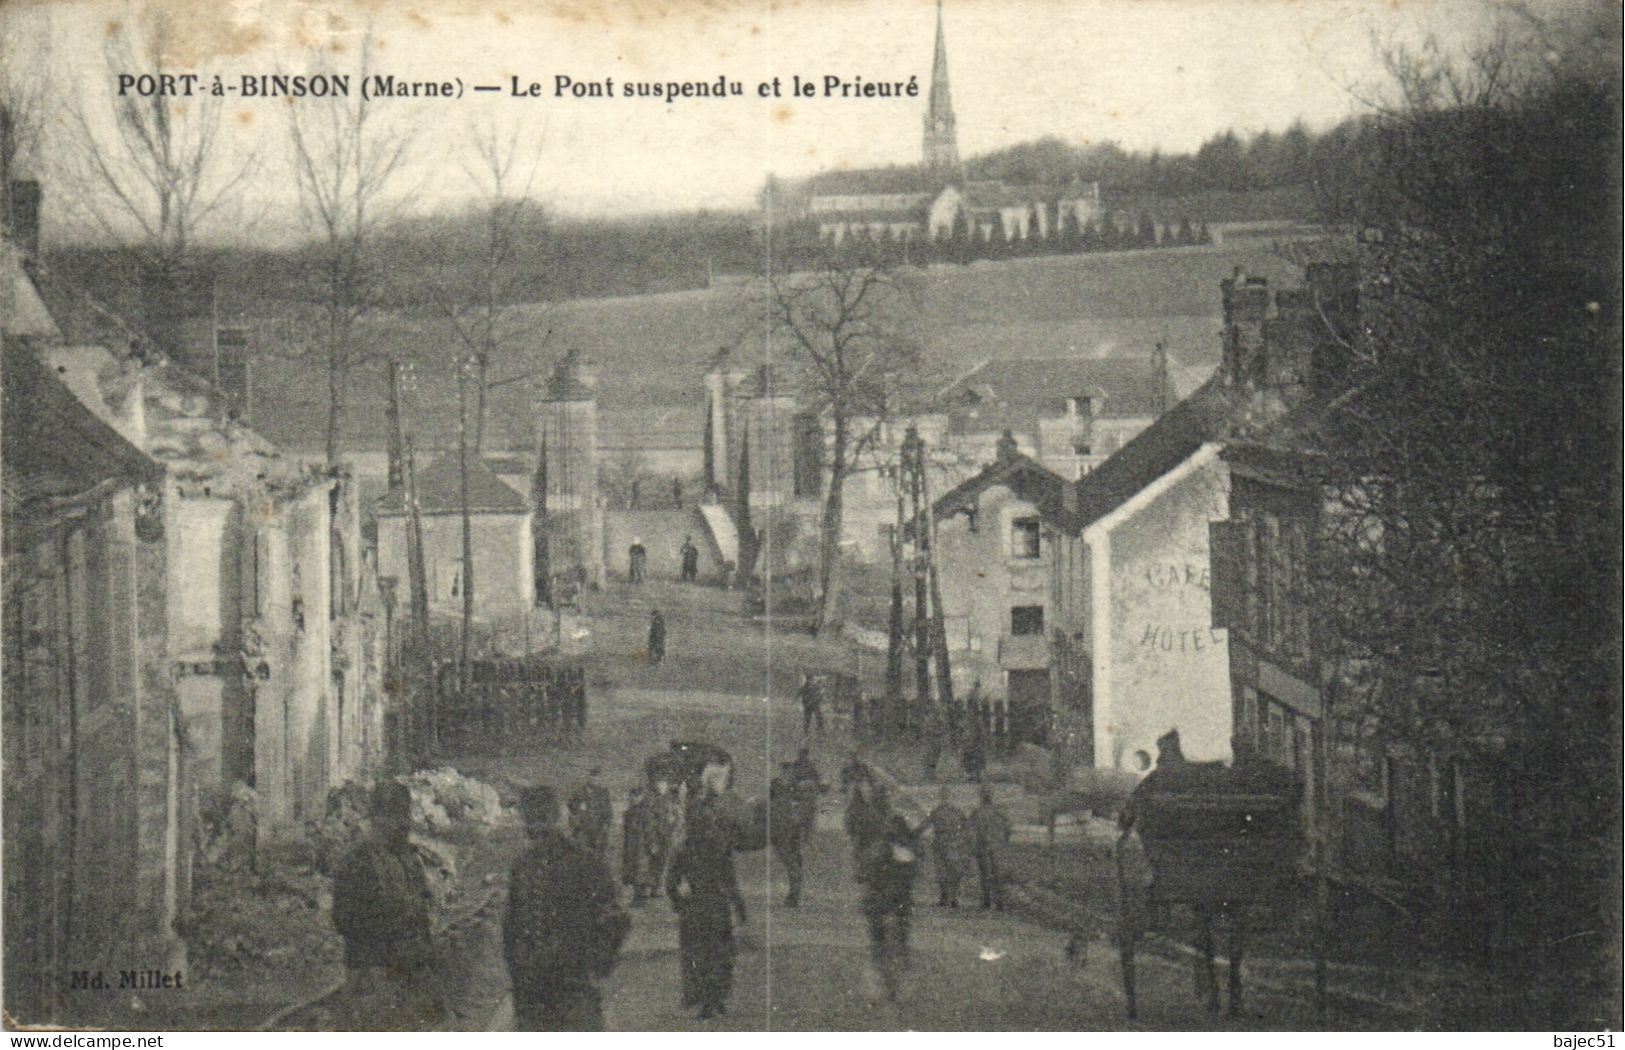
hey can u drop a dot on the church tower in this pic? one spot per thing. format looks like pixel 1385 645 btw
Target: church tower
pixel 941 145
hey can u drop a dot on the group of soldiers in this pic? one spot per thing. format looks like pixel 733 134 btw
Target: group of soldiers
pixel 509 694
pixel 565 922
pixel 977 726
pixel 886 859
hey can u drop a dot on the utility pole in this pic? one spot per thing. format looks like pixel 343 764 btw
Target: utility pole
pixel 939 630
pixel 397 439
pixel 894 640
pixel 913 455
pixel 424 639
pixel 465 667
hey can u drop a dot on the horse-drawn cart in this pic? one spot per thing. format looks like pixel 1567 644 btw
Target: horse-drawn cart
pixel 1219 840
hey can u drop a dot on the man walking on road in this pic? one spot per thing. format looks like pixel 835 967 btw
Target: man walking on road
pixel 704 890
pixel 990 833
pixel 591 814
pixel 691 560
pixel 950 848
pixel 812 704
pixel 890 865
pixel 563 928
pixel 657 637
pixel 381 909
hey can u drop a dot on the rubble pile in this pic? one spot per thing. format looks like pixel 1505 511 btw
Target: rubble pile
pixel 253 914
pixel 444 797
pixel 227 831
pixel 244 927
pixel 344 822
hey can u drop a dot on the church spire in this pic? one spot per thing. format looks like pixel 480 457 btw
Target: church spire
pixel 941 146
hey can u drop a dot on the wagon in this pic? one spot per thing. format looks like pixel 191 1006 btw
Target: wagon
pixel 1216 839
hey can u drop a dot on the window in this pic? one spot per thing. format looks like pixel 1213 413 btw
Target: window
pixel 1298 618
pixel 1252 604
pixel 1248 729
pixel 1027 619
pixel 1024 538
pixel 1273 568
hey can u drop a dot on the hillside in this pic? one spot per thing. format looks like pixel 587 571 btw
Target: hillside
pixel 651 349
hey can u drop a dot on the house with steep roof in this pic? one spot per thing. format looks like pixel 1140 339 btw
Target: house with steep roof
pixel 1139 601
pixel 501 521
pixel 1001 549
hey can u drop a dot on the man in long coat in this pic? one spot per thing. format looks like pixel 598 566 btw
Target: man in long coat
pixel 990 833
pixel 889 866
pixel 563 928
pixel 381 909
pixel 704 890
pixel 950 848
pixel 657 637
pixel 591 814
pixel 792 811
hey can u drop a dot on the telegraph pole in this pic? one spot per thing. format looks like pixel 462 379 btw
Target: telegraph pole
pixel 914 456
pixel 939 630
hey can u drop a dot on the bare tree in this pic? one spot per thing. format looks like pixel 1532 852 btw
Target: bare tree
pixel 23 95
pixel 847 325
pixel 152 173
pixel 479 285
pixel 1467 576
pixel 344 160
pixel 476 289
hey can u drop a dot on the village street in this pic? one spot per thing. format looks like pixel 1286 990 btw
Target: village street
pixel 803 968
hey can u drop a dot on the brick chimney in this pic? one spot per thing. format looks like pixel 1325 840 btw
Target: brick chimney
pixel 1246 306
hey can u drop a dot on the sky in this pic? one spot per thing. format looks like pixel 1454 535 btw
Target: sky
pixel 1142 73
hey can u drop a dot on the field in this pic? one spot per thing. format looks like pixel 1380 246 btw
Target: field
pixel 651 350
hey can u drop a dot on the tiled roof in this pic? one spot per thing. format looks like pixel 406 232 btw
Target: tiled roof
pixel 1020 473
pixel 1212 413
pixel 439 487
pixel 54 446
pixel 1014 393
pixel 914 213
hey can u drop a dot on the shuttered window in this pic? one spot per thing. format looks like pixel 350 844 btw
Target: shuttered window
pixel 1227 556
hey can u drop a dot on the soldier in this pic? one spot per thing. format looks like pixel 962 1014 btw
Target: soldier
pixel 704 890
pixel 990 830
pixel 812 704
pixel 865 819
pixel 784 830
pixel 691 560
pixel 634 832
pixel 890 865
pixel 591 814
pixel 578 698
pixel 636 555
pixel 950 848
pixel 563 928
pixel 804 770
pixel 381 909
pixel 657 637
pixel 792 813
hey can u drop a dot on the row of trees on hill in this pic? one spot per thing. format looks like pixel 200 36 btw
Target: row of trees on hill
pixel 1226 162
pixel 800 247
